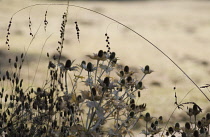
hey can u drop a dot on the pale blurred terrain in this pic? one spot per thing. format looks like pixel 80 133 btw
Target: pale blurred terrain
pixel 180 28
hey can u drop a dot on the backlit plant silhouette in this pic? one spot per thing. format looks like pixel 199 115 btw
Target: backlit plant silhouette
pixel 107 106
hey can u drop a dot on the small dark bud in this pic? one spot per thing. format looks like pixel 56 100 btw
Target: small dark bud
pixel 170 130
pixel 146 68
pixel 122 73
pixel 187 125
pixel 177 125
pixel 129 79
pixel 133 106
pixel 112 56
pixel 132 114
pixel 106 81
pixel 68 64
pixel 100 53
pixel 196 133
pixel 132 101
pixel 89 67
pixel 126 69
pixel 93 91
pixel 208 116
pixel 139 94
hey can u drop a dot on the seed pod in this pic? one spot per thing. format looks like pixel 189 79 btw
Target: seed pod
pixel 93 91
pixel 16 59
pixel 17 81
pixel 177 127
pixel 132 101
pixel 131 114
pixel 129 79
pixel 156 123
pixel 146 68
pixel 207 116
pixel 147 117
pixel 139 94
pixel 187 125
pixel 106 81
pixel 112 56
pixel 68 64
pixel 79 97
pixel 170 130
pixel 89 67
pixel 126 69
pixel 100 53
pixel 133 106
pixel 196 133
pixel 202 130
pixel 21 55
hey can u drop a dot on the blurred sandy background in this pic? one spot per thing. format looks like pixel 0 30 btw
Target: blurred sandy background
pixel 180 28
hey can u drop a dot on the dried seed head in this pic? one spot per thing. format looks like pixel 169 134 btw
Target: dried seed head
pixel 202 130
pixel 139 94
pixel 112 56
pixel 100 53
pixel 16 58
pixel 132 101
pixel 131 114
pixel 196 133
pixel 122 73
pixel 129 79
pixel 122 81
pixel 146 68
pixel 177 126
pixel 187 125
pixel 93 91
pixel 147 117
pixel 152 125
pixel 68 64
pixel 89 67
pixel 207 116
pixel 126 69
pixel 133 106
pixel 170 130
pixel 106 81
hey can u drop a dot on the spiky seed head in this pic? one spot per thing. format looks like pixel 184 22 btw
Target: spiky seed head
pixel 106 81
pixel 133 106
pixel 131 114
pixel 89 67
pixel 170 130
pixel 122 73
pixel 129 79
pixel 100 53
pixel 93 91
pixel 68 64
pixel 126 69
pixel 177 127
pixel 196 133
pixel 187 125
pixel 147 117
pixel 146 68
pixel 112 56
pixel 122 81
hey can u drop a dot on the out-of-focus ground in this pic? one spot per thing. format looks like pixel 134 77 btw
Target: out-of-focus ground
pixel 180 28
